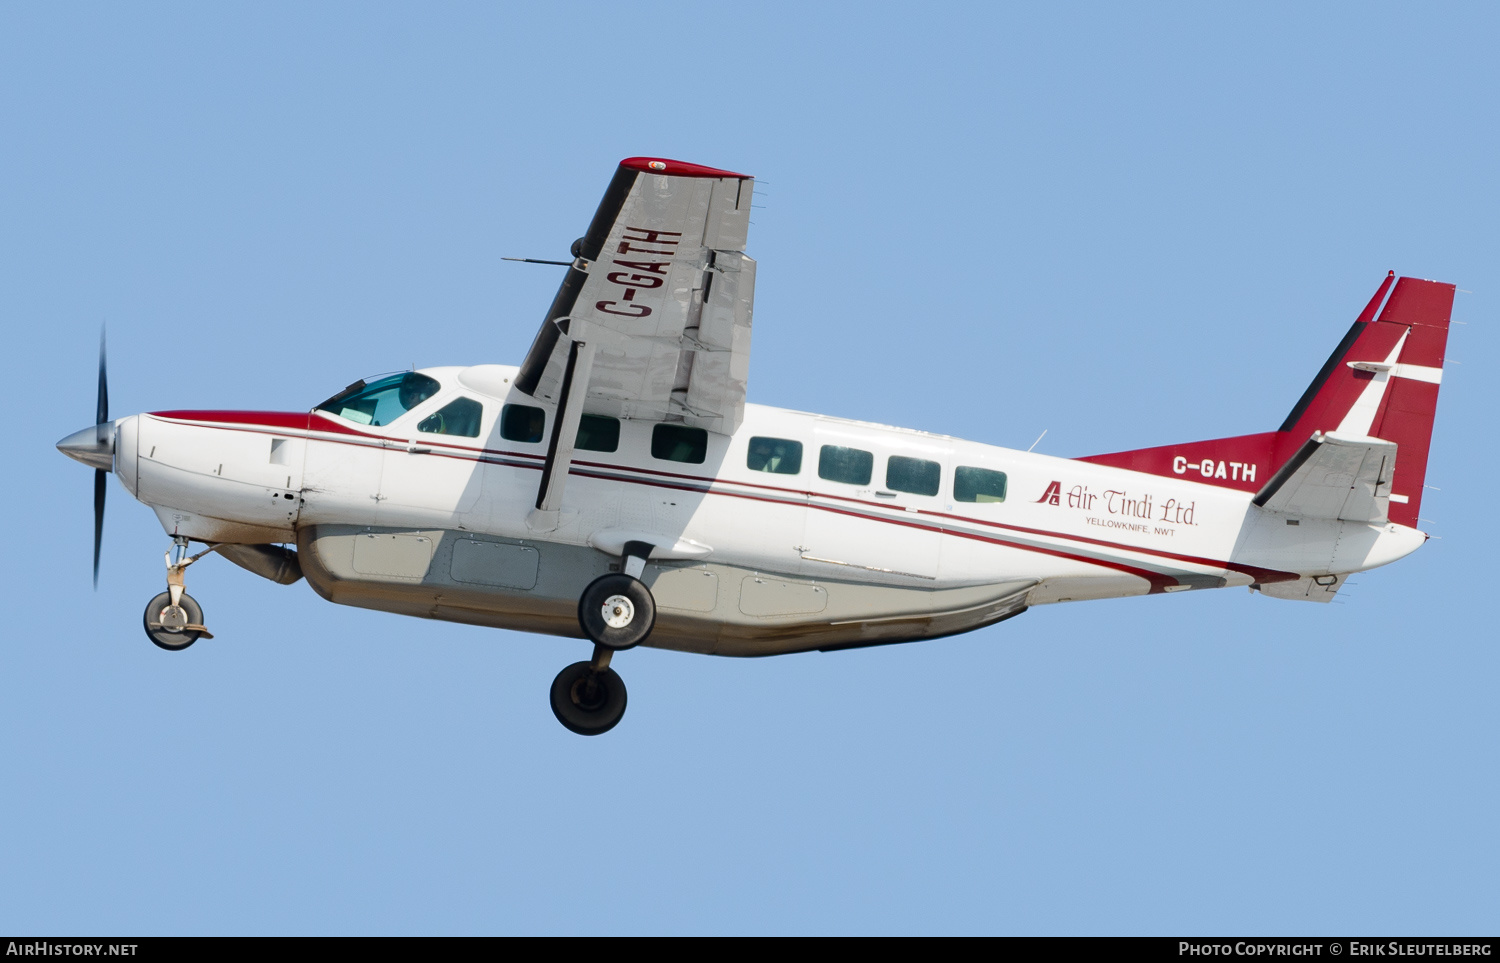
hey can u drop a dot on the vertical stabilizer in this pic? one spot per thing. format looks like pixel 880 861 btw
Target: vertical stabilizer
pixel 1380 382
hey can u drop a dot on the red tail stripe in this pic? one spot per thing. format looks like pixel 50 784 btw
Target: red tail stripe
pixel 1342 388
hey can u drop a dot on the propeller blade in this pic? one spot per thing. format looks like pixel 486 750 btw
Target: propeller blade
pixel 99 486
pixel 101 416
pixel 102 409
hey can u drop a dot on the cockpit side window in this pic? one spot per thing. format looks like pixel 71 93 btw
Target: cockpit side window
pixel 383 401
pixel 458 417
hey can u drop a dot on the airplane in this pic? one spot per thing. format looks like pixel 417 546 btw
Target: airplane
pixel 616 486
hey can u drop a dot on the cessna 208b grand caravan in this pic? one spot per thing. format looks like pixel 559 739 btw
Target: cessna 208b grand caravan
pixel 618 487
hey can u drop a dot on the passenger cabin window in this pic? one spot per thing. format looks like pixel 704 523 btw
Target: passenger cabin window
pixel 778 455
pixel 679 443
pixel 381 402
pixel 978 485
pixel 852 466
pixel 598 433
pixel 458 417
pixel 522 423
pixel 915 475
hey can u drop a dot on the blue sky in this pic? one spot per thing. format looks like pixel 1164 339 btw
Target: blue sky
pixel 1126 226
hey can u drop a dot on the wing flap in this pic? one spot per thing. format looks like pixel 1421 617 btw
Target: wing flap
pixel 1334 476
pixel 721 356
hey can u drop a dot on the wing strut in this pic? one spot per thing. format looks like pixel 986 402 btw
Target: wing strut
pixel 575 386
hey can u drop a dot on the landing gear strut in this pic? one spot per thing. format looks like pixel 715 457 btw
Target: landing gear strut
pixel 616 612
pixel 174 619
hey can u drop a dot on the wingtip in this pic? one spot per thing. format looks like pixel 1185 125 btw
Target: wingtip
pixel 664 165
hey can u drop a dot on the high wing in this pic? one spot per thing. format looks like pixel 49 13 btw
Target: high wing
pixel 660 291
pixel 1334 476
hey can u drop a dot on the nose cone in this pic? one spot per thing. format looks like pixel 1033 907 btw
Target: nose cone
pixel 94 446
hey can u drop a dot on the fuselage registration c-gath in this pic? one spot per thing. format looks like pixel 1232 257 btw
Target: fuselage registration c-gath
pixel 617 486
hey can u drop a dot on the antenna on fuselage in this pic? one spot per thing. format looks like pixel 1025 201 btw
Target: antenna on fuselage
pixel 532 260
pixel 1038 439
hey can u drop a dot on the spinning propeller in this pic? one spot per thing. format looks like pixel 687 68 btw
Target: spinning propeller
pixel 96 447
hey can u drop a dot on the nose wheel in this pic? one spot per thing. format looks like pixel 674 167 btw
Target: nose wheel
pixel 174 626
pixel 174 619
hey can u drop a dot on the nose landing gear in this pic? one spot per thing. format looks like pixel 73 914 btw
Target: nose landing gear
pixel 174 619
pixel 616 612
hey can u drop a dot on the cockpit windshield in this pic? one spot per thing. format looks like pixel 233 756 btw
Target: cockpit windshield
pixel 382 401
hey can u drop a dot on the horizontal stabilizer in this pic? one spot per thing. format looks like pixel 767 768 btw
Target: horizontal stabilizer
pixel 1334 476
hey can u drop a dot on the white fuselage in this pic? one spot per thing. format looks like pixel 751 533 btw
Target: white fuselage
pixel 746 561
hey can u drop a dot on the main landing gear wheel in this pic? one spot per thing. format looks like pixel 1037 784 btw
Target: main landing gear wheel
pixel 617 611
pixel 173 627
pixel 588 699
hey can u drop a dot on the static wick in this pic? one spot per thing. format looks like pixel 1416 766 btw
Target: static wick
pixel 1039 439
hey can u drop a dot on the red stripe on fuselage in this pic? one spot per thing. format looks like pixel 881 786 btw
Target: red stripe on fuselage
pixel 290 420
pixel 1158 581
pixel 271 422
